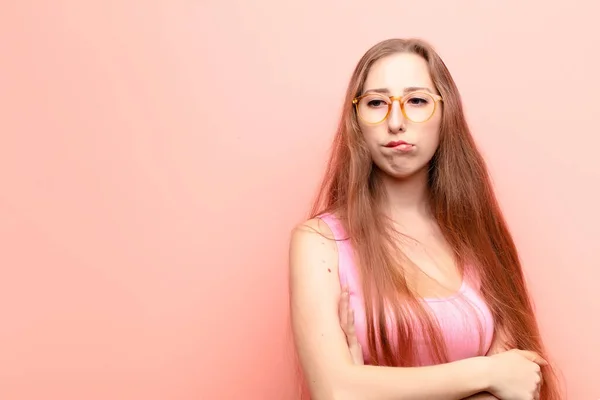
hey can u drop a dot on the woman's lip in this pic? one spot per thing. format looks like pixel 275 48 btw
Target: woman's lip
pixel 398 143
pixel 403 147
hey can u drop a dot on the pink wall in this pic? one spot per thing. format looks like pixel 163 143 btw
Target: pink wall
pixel 155 155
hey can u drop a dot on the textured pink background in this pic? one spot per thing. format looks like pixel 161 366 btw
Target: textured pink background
pixel 154 156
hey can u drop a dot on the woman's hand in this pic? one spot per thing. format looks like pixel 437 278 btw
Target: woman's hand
pixel 347 322
pixel 516 375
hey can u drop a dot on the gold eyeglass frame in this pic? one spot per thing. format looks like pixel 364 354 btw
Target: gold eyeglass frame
pixel 436 99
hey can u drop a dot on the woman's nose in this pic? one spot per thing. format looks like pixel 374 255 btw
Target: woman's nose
pixel 396 120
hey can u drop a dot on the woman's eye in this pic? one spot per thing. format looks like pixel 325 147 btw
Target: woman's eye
pixel 417 101
pixel 376 103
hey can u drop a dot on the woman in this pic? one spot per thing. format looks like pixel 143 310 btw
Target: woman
pixel 406 236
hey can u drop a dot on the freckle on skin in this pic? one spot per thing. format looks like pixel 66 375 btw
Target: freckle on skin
pixel 328 270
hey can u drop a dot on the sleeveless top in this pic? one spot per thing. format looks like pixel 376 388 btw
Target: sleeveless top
pixel 466 322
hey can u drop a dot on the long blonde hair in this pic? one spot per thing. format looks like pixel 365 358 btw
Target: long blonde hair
pixel 465 207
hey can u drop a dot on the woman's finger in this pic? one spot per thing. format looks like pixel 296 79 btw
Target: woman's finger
pixel 533 356
pixel 347 324
pixel 539 388
pixel 350 331
pixel 343 309
pixel 353 343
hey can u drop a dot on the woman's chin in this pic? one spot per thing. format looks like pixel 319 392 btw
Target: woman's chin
pixel 403 173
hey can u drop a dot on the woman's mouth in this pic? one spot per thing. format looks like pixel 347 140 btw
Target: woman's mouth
pixel 400 145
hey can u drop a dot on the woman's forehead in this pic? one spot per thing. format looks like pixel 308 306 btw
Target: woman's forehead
pixel 398 73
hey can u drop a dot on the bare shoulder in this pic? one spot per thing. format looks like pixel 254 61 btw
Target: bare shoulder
pixel 314 297
pixel 313 248
pixel 314 226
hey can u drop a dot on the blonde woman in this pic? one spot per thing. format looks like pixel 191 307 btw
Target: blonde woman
pixel 407 235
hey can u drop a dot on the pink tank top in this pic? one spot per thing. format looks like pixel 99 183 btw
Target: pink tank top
pixel 464 318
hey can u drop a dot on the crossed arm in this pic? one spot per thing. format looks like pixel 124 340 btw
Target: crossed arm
pixel 323 350
pixel 315 297
pixel 346 315
pixel 327 359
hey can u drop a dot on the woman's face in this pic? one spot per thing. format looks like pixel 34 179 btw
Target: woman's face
pixel 399 146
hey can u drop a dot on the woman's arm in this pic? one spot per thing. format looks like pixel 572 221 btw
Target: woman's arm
pixel 321 344
pixel 499 345
pixel 346 315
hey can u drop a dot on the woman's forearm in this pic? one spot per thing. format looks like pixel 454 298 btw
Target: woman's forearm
pixel 452 381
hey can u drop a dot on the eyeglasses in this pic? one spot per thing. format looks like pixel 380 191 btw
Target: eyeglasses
pixel 418 107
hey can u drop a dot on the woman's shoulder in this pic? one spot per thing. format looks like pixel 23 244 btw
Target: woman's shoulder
pixel 313 229
pixel 327 225
pixel 312 250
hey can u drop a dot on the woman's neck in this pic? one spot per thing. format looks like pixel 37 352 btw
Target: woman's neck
pixel 408 198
